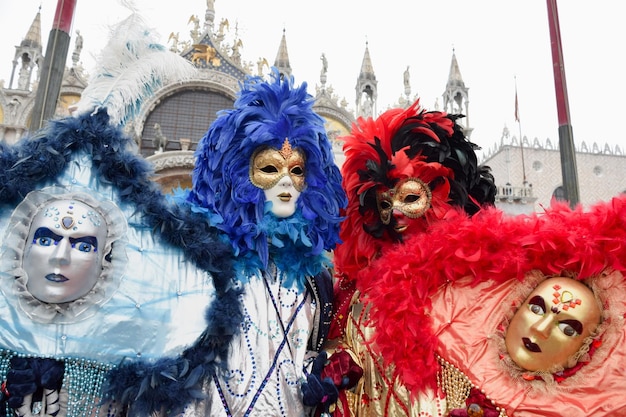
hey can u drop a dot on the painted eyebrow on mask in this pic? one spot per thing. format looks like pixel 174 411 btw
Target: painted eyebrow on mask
pixel 85 239
pixel 538 300
pixel 45 232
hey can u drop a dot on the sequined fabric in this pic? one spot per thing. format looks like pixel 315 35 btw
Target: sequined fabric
pixel 379 392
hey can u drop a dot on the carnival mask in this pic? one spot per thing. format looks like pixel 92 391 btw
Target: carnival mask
pixel 63 256
pixel 410 198
pixel 552 324
pixel 280 174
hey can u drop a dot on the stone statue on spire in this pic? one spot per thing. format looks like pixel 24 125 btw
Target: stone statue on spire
pixel 407 82
pixel 324 69
pixel 78 47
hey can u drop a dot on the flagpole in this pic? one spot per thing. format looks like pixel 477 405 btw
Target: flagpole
pixel 521 140
pixel 49 85
pixel 566 141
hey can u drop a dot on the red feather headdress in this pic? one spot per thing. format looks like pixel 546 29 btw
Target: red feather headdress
pixel 399 144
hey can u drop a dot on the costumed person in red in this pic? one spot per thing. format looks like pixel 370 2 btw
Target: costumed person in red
pixel 403 172
pixel 510 316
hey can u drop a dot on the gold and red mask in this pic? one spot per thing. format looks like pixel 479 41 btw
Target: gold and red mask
pixel 269 165
pixel 552 324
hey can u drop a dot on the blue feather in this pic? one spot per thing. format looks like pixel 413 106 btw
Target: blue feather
pixel 265 113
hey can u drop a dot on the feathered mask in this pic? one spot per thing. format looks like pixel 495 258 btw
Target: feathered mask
pixel 265 113
pixel 401 144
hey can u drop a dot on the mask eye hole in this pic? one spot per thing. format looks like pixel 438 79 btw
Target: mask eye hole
pixel 537 305
pixel 297 171
pixel 571 328
pixel 385 205
pixel 269 169
pixel 536 309
pixel 411 198
pixel 567 329
pixel 43 241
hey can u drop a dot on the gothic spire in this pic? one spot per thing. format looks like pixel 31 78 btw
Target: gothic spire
pixel 367 69
pixel 282 57
pixel 456 96
pixel 366 87
pixel 29 54
pixel 454 77
pixel 33 36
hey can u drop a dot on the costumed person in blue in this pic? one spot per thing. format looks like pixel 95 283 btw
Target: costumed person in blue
pixel 109 293
pixel 265 170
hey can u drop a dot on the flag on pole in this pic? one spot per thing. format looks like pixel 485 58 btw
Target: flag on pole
pixel 516 106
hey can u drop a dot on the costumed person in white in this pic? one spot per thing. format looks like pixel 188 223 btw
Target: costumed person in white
pixel 266 170
pixel 107 290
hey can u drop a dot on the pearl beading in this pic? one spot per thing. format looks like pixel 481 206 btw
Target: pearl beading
pixel 83 380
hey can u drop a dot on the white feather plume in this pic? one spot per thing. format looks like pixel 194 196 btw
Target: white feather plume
pixel 130 68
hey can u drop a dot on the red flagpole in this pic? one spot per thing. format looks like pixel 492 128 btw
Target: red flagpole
pixel 51 76
pixel 566 141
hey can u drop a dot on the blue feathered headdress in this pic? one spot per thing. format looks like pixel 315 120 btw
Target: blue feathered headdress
pixel 265 113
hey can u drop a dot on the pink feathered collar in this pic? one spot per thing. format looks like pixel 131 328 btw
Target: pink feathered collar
pixel 489 246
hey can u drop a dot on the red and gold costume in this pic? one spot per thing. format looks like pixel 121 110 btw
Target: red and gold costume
pixel 404 171
pixel 441 303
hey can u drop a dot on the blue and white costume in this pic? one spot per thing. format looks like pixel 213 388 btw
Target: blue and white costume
pixel 272 138
pixel 153 300
pixel 141 341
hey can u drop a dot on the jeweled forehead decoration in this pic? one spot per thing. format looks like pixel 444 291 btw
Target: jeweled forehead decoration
pixel 69 220
pixel 286 150
pixel 564 299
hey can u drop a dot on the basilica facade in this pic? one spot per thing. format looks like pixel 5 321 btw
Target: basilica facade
pixel 176 117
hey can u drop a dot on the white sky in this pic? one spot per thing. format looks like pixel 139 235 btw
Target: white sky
pixel 498 43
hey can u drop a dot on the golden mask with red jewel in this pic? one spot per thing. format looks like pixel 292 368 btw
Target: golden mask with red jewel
pixel 269 165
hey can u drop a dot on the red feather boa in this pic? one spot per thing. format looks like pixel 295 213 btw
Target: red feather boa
pixel 488 246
